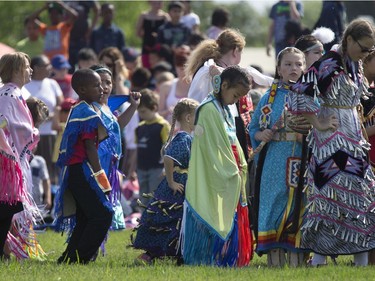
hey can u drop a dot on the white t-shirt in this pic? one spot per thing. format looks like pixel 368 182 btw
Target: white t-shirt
pixel 129 130
pixel 48 90
pixel 201 85
pixel 190 20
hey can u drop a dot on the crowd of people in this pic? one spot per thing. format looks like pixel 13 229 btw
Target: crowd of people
pixel 229 161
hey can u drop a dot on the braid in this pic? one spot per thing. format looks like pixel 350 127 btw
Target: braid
pixel 184 106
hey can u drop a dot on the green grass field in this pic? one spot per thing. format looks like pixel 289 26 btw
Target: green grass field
pixel 118 265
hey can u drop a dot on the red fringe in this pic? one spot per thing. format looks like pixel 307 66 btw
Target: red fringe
pixel 245 238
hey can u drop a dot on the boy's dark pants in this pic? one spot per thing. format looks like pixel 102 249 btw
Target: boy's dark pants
pixel 93 219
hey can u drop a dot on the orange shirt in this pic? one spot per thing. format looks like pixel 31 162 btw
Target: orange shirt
pixel 56 39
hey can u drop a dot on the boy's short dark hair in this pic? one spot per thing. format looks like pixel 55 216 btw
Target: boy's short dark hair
pixel 141 77
pixel 81 78
pixel 175 4
pixel 220 17
pixel 149 99
pixel 87 54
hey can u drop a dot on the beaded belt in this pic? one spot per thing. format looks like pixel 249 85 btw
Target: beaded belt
pixel 284 136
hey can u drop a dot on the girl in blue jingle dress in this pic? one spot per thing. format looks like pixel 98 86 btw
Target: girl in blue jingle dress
pixel 159 228
pixel 110 149
pixel 277 165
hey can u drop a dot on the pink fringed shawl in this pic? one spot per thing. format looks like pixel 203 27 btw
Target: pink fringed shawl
pixel 17 138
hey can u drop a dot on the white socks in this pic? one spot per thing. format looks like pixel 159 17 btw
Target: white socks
pixel 318 260
pixel 360 259
pixel 276 258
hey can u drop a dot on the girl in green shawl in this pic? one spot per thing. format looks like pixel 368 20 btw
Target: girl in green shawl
pixel 215 224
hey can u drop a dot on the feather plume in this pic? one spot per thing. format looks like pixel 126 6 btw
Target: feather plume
pixel 323 34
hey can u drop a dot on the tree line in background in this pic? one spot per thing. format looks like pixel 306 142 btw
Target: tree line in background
pixel 244 17
pixel 250 22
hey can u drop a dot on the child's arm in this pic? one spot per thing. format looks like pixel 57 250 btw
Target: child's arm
pixel 33 16
pixel 94 20
pixel 169 167
pixel 47 193
pixel 56 119
pixel 72 14
pixel 93 158
pixel 329 123
pixel 125 117
pixel 92 155
pixel 131 155
pixel 164 90
pixel 139 27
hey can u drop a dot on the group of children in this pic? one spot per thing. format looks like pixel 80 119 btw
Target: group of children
pixel 81 168
pixel 197 212
pixel 89 154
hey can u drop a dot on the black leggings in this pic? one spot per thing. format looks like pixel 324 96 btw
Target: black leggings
pixel 6 214
pixel 92 219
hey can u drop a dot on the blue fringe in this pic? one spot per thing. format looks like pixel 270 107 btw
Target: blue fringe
pixel 76 127
pixel 203 246
pixel 67 223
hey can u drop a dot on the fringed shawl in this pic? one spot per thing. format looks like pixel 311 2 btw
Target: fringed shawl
pixel 215 182
pixel 82 119
pixel 17 138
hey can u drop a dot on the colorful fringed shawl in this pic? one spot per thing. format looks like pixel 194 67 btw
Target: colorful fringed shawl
pixel 17 139
pixel 215 224
pixel 82 119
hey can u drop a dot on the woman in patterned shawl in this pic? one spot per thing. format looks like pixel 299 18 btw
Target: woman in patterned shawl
pixel 340 215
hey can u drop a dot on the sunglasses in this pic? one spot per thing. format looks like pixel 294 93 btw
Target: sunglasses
pixel 363 49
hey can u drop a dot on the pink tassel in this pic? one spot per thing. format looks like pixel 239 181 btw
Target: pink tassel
pixel 16 247
pixel 11 185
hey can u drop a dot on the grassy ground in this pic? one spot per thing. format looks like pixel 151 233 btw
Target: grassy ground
pixel 118 265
